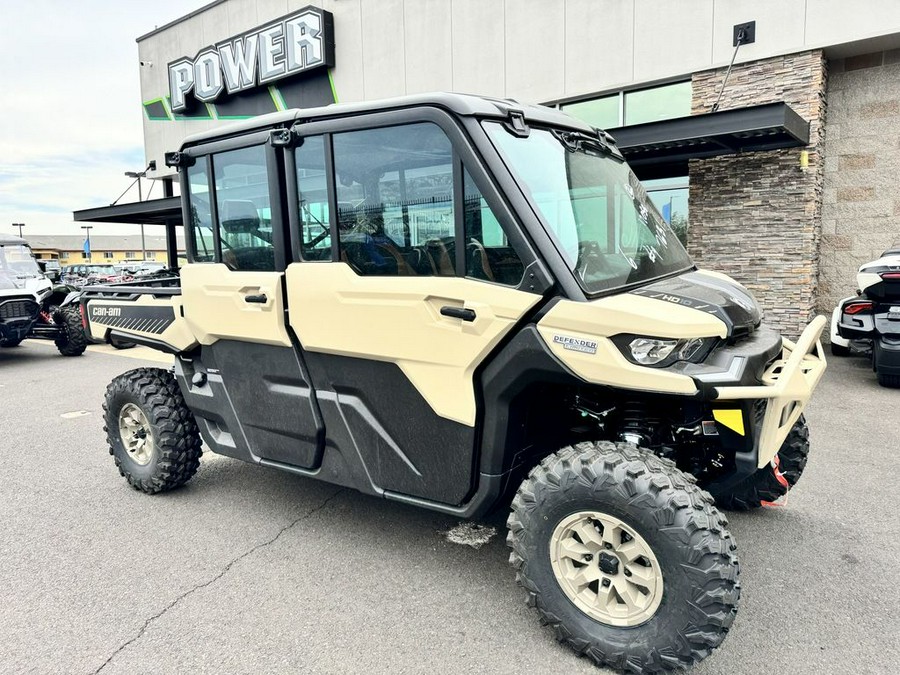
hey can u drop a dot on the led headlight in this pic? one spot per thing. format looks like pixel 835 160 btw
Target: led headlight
pixel 651 351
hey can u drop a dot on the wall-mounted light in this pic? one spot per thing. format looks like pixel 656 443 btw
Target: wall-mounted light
pixel 804 160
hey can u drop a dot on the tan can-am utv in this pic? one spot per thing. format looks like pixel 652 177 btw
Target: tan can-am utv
pixel 465 303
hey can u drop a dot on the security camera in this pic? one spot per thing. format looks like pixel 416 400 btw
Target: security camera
pixel 149 64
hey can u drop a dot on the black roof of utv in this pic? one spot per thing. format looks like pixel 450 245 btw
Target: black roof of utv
pixel 464 105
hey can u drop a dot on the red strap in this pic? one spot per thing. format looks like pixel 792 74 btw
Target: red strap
pixel 779 476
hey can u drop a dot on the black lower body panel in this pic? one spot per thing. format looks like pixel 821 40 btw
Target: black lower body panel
pixel 372 410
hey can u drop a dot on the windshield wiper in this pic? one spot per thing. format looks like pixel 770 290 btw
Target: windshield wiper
pixel 575 141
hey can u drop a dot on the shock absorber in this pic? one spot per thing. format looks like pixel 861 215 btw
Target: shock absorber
pixel 636 424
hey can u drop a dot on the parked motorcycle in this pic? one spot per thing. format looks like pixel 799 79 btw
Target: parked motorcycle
pixel 869 323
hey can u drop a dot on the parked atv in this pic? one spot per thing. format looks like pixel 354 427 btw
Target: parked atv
pixel 467 304
pixel 869 324
pixel 31 306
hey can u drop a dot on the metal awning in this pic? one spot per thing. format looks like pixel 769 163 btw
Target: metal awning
pixel 165 211
pixel 662 149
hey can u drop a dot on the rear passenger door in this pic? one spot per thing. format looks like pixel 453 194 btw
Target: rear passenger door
pixel 234 303
pixel 405 281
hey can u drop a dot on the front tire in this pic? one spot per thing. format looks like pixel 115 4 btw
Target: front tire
pixel 152 434
pixel 656 587
pixel 770 482
pixel 72 340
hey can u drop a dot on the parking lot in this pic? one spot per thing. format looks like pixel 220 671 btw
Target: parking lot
pixel 251 570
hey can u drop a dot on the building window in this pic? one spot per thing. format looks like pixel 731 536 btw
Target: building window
pixel 64 255
pixel 131 254
pixel 625 108
pixel 670 196
pixel 603 112
pixel 658 103
pixel 84 256
pixel 108 254
pixel 151 255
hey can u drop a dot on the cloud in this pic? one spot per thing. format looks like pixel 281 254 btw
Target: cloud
pixel 71 107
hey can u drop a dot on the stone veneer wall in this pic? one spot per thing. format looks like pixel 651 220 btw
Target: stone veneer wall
pixel 757 216
pixel 861 206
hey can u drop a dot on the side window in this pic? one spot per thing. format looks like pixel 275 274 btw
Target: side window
pixel 395 200
pixel 488 253
pixel 202 249
pixel 312 189
pixel 242 203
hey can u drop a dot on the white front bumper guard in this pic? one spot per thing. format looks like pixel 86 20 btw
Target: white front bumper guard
pixel 787 385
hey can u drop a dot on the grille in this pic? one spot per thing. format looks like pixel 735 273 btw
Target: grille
pixel 18 309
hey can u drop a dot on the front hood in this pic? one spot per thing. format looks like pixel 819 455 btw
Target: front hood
pixel 712 293
pixel 36 285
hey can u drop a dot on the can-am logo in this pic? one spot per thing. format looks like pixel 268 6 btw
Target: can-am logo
pixel 293 44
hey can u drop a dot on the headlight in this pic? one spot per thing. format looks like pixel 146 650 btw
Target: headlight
pixel 651 351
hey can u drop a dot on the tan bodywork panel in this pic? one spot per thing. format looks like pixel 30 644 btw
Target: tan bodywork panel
pixel 113 314
pixel 215 307
pixel 598 320
pixel 397 319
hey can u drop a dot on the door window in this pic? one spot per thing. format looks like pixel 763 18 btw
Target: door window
pixel 395 200
pixel 244 214
pixel 488 253
pixel 203 245
pixel 312 192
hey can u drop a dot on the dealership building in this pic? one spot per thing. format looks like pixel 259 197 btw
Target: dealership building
pixel 766 132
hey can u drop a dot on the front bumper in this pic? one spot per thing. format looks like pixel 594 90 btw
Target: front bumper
pixel 787 385
pixel 17 315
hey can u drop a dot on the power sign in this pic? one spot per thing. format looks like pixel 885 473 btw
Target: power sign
pixel 294 44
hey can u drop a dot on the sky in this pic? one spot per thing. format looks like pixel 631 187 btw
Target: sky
pixel 70 108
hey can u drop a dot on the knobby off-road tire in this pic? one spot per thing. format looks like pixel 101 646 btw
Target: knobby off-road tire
pixel 764 485
pixel 72 340
pixel 697 595
pixel 839 350
pixel 892 381
pixel 152 434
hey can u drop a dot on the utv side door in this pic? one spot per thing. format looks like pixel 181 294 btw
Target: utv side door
pixel 233 296
pixel 405 283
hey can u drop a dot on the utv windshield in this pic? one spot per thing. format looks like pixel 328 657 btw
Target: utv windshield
pixel 17 260
pixel 593 206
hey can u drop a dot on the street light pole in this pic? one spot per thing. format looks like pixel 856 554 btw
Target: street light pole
pixel 88 228
pixel 139 175
pixel 20 226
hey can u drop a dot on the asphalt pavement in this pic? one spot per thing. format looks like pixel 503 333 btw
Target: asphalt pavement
pixel 249 570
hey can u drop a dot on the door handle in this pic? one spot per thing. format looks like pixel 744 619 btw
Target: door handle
pixel 260 299
pixel 458 313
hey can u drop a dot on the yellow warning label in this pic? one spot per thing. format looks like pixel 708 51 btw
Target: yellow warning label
pixel 733 419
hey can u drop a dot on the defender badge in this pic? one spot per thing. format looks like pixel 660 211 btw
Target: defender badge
pixel 576 344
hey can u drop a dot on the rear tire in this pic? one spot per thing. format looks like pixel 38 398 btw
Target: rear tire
pixel 839 350
pixel 152 435
pixel 764 485
pixel 891 381
pixel 72 341
pixel 620 489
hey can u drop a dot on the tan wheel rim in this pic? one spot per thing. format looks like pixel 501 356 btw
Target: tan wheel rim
pixel 606 568
pixel 136 435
